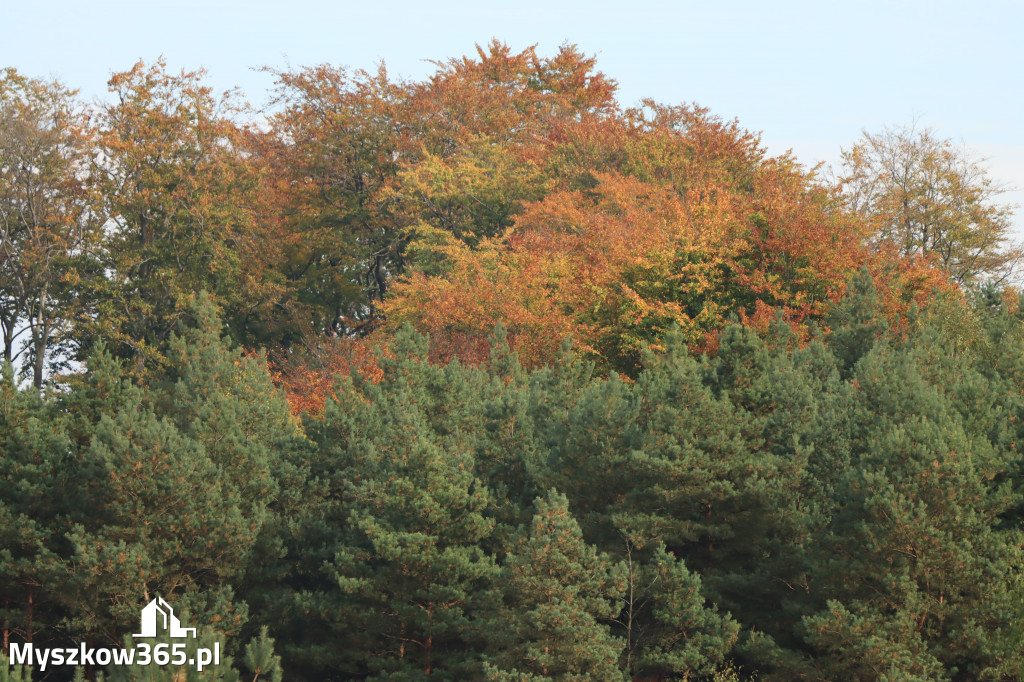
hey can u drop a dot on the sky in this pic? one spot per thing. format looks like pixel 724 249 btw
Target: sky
pixel 810 76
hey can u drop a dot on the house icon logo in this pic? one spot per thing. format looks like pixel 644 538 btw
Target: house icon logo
pixel 159 616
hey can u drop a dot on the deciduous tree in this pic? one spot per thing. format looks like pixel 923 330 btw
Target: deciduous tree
pixel 178 197
pixel 927 196
pixel 48 228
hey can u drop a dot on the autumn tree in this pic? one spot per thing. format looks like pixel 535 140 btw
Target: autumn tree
pixel 364 165
pixel 927 196
pixel 648 218
pixel 332 146
pixel 180 210
pixel 48 230
pixel 620 264
pixel 507 98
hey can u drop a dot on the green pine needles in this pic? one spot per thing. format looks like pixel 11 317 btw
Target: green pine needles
pixel 843 507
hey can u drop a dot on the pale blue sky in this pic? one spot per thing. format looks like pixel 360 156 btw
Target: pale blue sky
pixel 809 75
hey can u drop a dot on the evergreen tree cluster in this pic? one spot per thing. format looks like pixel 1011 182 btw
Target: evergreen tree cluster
pixel 846 507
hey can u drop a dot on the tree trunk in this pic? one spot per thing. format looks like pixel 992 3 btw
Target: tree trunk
pixel 40 340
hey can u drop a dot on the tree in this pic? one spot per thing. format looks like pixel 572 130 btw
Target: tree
pixel 856 322
pixel 559 589
pixel 111 492
pixel 681 220
pixel 37 493
pixel 927 196
pixel 179 202
pixel 163 517
pixel 47 229
pixel 917 561
pixel 331 148
pixel 258 659
pixel 363 165
pixel 407 521
pixel 669 629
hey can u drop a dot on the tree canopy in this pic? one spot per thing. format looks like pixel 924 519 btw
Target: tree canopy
pixel 486 376
pixel 925 195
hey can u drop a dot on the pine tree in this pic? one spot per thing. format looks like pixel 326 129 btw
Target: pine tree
pixel 856 322
pixel 409 572
pixel 163 520
pixel 411 566
pixel 558 591
pixel 916 557
pixel 509 452
pixel 18 673
pixel 37 493
pixel 258 659
pixel 181 478
pixel 670 630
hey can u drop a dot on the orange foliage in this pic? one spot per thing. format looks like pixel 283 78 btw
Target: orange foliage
pixel 504 97
pixel 703 228
pixel 308 380
pixel 512 188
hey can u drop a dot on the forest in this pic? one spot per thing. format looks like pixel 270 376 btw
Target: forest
pixel 487 376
